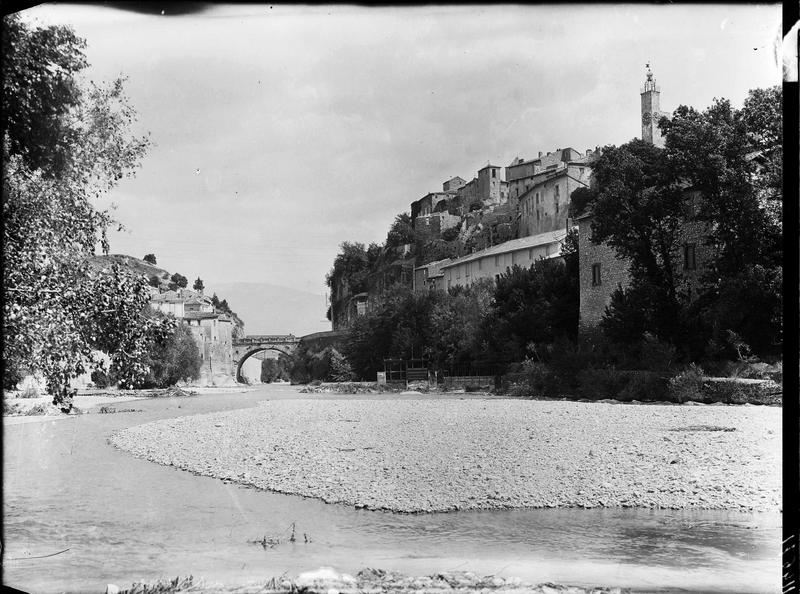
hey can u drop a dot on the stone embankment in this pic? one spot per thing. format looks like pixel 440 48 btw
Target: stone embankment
pixel 453 454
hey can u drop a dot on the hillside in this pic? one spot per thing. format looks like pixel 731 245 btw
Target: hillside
pixel 136 265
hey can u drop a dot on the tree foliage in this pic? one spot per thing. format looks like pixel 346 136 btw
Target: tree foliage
pixel 178 281
pixel 532 305
pixel 173 358
pixel 198 284
pixel 150 259
pixel 720 169
pixel 64 145
pixel 401 232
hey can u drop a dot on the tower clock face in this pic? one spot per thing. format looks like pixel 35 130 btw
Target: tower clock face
pixel 646 117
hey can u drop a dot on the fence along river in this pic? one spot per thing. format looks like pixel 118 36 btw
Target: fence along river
pixel 119 519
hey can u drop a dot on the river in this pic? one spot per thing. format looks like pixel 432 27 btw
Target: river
pixel 124 519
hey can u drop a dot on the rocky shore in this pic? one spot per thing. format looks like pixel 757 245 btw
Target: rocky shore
pixel 453 454
pixel 326 580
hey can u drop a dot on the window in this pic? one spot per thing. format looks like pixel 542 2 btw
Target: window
pixel 530 254
pixel 480 264
pixel 557 194
pixel 596 274
pixel 537 214
pixel 537 198
pixel 689 262
pixel 494 172
pixel 556 207
pixel 497 260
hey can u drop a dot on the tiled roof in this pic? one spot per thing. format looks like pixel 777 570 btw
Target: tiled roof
pixel 512 246
pixel 432 265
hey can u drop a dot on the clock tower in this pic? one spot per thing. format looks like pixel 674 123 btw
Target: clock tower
pixel 651 113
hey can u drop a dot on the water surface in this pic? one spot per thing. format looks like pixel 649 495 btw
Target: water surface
pixel 125 519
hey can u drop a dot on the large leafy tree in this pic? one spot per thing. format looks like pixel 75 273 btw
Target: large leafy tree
pixel 65 145
pixel 532 305
pixel 734 157
pixel 643 196
pixel 171 359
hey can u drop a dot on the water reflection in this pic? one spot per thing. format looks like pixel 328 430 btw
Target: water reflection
pixel 125 519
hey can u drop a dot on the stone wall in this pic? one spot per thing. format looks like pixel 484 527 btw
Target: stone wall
pixel 614 272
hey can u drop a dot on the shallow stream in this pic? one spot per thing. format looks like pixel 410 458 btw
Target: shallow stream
pixel 123 519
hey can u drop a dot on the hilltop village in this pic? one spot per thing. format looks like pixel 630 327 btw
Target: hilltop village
pixel 505 216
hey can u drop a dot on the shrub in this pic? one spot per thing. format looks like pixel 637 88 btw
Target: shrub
pixel 687 385
pixel 540 379
pixel 644 385
pixel 597 384
pixel 101 379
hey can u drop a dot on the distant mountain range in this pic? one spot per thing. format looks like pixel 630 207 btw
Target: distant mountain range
pixel 271 309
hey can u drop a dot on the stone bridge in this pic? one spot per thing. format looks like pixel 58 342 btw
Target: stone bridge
pixel 245 347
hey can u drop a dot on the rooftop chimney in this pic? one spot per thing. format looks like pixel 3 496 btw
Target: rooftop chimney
pixel 540 154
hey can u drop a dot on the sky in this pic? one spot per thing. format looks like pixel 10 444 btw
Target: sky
pixel 280 132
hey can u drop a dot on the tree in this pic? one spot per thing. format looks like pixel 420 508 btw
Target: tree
pixel 173 358
pixel 642 198
pixel 401 232
pixel 178 281
pixel 532 305
pixel 198 284
pixel 154 281
pixel 64 146
pixel 456 321
pixel 150 259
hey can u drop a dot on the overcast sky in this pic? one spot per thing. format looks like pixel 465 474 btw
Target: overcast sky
pixel 281 132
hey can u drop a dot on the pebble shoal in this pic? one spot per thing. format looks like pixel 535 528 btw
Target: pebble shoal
pixel 446 455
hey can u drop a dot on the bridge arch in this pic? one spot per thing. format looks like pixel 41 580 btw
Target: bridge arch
pixel 250 353
pixel 247 346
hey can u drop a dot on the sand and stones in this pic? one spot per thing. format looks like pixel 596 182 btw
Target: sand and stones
pixel 452 454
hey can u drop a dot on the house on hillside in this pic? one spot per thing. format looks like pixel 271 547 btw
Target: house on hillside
pixel 212 331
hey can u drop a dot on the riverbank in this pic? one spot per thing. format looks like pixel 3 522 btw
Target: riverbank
pixel 367 581
pixel 18 409
pixel 453 454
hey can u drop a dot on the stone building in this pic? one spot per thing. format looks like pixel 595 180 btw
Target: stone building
pixel 520 174
pixel 213 334
pixel 212 331
pixel 430 277
pixel 602 270
pixel 544 206
pixel 488 263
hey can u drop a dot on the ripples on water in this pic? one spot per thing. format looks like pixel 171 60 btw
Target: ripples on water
pixel 125 519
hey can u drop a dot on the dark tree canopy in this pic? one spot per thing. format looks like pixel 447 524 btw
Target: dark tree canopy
pixel 150 259
pixel 720 169
pixel 198 284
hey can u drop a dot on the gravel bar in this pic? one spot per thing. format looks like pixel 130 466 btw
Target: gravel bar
pixel 446 455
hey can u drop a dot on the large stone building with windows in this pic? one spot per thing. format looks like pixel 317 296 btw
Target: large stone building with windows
pixel 602 270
